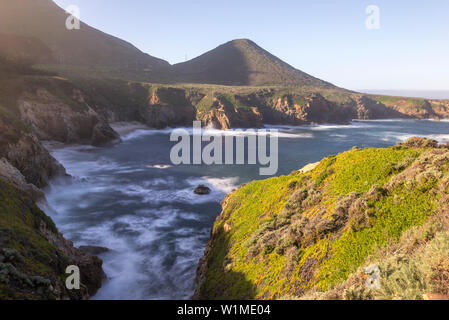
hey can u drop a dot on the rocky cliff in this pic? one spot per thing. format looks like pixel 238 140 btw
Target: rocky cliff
pixel 59 112
pixel 34 255
pixel 223 107
pixel 24 151
pixel 365 224
pixel 35 106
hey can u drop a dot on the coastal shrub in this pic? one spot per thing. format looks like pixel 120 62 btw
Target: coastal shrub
pixel 417 142
pixel 28 262
pixel 440 277
pixel 307 233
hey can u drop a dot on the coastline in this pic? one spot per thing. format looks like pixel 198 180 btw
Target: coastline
pixel 127 128
pixel 124 128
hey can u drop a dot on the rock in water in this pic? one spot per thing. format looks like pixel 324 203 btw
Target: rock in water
pixel 202 190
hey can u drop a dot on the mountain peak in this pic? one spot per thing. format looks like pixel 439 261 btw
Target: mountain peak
pixel 242 41
pixel 243 62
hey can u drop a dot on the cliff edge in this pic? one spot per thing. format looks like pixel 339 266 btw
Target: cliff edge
pixel 364 224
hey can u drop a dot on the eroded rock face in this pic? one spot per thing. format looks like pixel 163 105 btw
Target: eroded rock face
pixel 161 106
pixel 424 111
pixel 169 107
pixel 102 134
pixel 71 121
pixel 160 117
pixel 24 152
pixel 368 109
pixel 320 110
pixel 13 176
pixel 441 108
pixel 293 110
pixel 224 118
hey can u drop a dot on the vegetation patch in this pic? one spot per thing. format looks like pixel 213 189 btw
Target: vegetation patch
pixel 403 102
pixel 307 233
pixel 29 264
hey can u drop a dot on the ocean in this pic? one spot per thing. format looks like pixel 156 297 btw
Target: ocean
pixel 132 200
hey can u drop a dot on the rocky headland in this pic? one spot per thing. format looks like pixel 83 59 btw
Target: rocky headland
pixel 323 231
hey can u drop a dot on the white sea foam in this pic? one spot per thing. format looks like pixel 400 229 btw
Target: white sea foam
pixel 384 120
pixel 317 127
pixel 327 127
pixel 124 277
pixel 149 194
pixel 148 132
pixel 131 269
pixel 125 128
pixel 159 166
pixel 223 184
pixel 255 132
pixel 211 131
pixel 339 135
pixel 441 138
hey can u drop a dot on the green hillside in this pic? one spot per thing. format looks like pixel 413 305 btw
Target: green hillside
pixel 308 234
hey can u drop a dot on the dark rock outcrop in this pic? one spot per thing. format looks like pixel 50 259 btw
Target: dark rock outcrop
pixel 224 118
pixel 368 109
pixel 169 107
pixel 202 190
pixel 67 118
pixel 13 176
pixel 24 151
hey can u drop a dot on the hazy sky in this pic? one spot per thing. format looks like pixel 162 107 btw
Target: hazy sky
pixel 326 38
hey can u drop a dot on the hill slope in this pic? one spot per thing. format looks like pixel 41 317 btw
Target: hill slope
pixel 45 21
pixel 34 255
pixel 242 62
pixel 306 235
